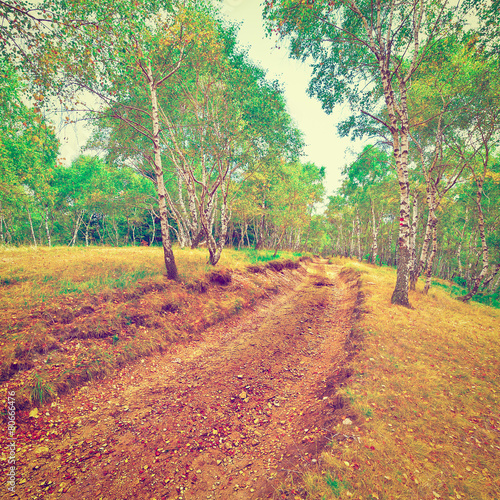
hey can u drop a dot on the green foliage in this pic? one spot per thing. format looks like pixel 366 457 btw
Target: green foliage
pixel 336 485
pixel 255 257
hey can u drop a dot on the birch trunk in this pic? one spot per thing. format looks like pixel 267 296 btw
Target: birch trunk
pixel 215 247
pixel 278 243
pixel 31 227
pixel 484 246
pixel 430 262
pixel 153 231
pixel 494 287
pixel 47 230
pixel 168 254
pixel 79 218
pixel 459 249
pixel 492 275
pixel 358 235
pixel 431 221
pixel 351 246
pixel 375 230
pixel 260 239
pixel 413 239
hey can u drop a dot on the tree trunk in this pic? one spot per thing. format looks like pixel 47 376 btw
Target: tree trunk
pixel 31 227
pixel 260 238
pixel 215 247
pixel 47 230
pixel 358 236
pixel 400 294
pixel 399 128
pixel 168 254
pixel 79 217
pixel 413 239
pixel 484 247
pixel 459 249
pixel 492 275
pixel 197 239
pixel 375 230
pixel 278 243
pixel 494 287
pixel 428 271
pixel 87 232
pixel 153 231
pixel 351 246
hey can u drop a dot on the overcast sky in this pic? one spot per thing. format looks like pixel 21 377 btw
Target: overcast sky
pixel 323 146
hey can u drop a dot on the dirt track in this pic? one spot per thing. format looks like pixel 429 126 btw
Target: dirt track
pixel 230 416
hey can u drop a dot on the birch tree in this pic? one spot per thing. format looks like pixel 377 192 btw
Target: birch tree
pixel 365 53
pixel 117 47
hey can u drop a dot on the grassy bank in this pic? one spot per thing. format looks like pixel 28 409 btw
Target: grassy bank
pixel 422 403
pixel 73 314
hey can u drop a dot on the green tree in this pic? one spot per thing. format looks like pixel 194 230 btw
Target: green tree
pixel 365 54
pixel 28 153
pixel 121 47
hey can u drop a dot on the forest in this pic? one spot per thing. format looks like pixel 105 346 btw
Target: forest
pixel 192 144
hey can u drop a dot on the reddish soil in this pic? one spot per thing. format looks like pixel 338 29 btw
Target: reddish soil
pixel 238 414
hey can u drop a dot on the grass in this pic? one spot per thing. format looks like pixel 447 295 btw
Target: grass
pixel 260 257
pixel 72 314
pixel 456 290
pixel 423 399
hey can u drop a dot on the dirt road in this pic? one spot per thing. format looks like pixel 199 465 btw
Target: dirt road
pixel 230 416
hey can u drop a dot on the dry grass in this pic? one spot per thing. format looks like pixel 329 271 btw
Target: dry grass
pixel 423 400
pixel 72 314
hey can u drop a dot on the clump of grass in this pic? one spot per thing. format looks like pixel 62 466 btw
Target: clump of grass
pixel 423 399
pixel 259 257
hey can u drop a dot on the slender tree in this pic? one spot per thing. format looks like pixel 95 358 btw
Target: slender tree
pixel 365 53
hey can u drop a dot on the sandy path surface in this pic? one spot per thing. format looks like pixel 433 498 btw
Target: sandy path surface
pixel 230 416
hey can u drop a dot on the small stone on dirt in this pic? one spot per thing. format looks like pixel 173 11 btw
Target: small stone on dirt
pixel 347 421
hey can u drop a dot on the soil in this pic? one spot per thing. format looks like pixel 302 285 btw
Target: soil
pixel 242 413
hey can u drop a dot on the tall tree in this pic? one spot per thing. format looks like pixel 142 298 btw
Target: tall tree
pixel 28 154
pixel 124 47
pixel 365 53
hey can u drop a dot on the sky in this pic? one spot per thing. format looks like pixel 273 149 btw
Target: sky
pixel 323 145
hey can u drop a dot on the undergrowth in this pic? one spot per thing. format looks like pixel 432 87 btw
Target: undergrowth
pixel 422 403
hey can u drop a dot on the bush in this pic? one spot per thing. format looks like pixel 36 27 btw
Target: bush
pixel 460 281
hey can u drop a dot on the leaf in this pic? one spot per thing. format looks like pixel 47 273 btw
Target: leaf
pixel 34 413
